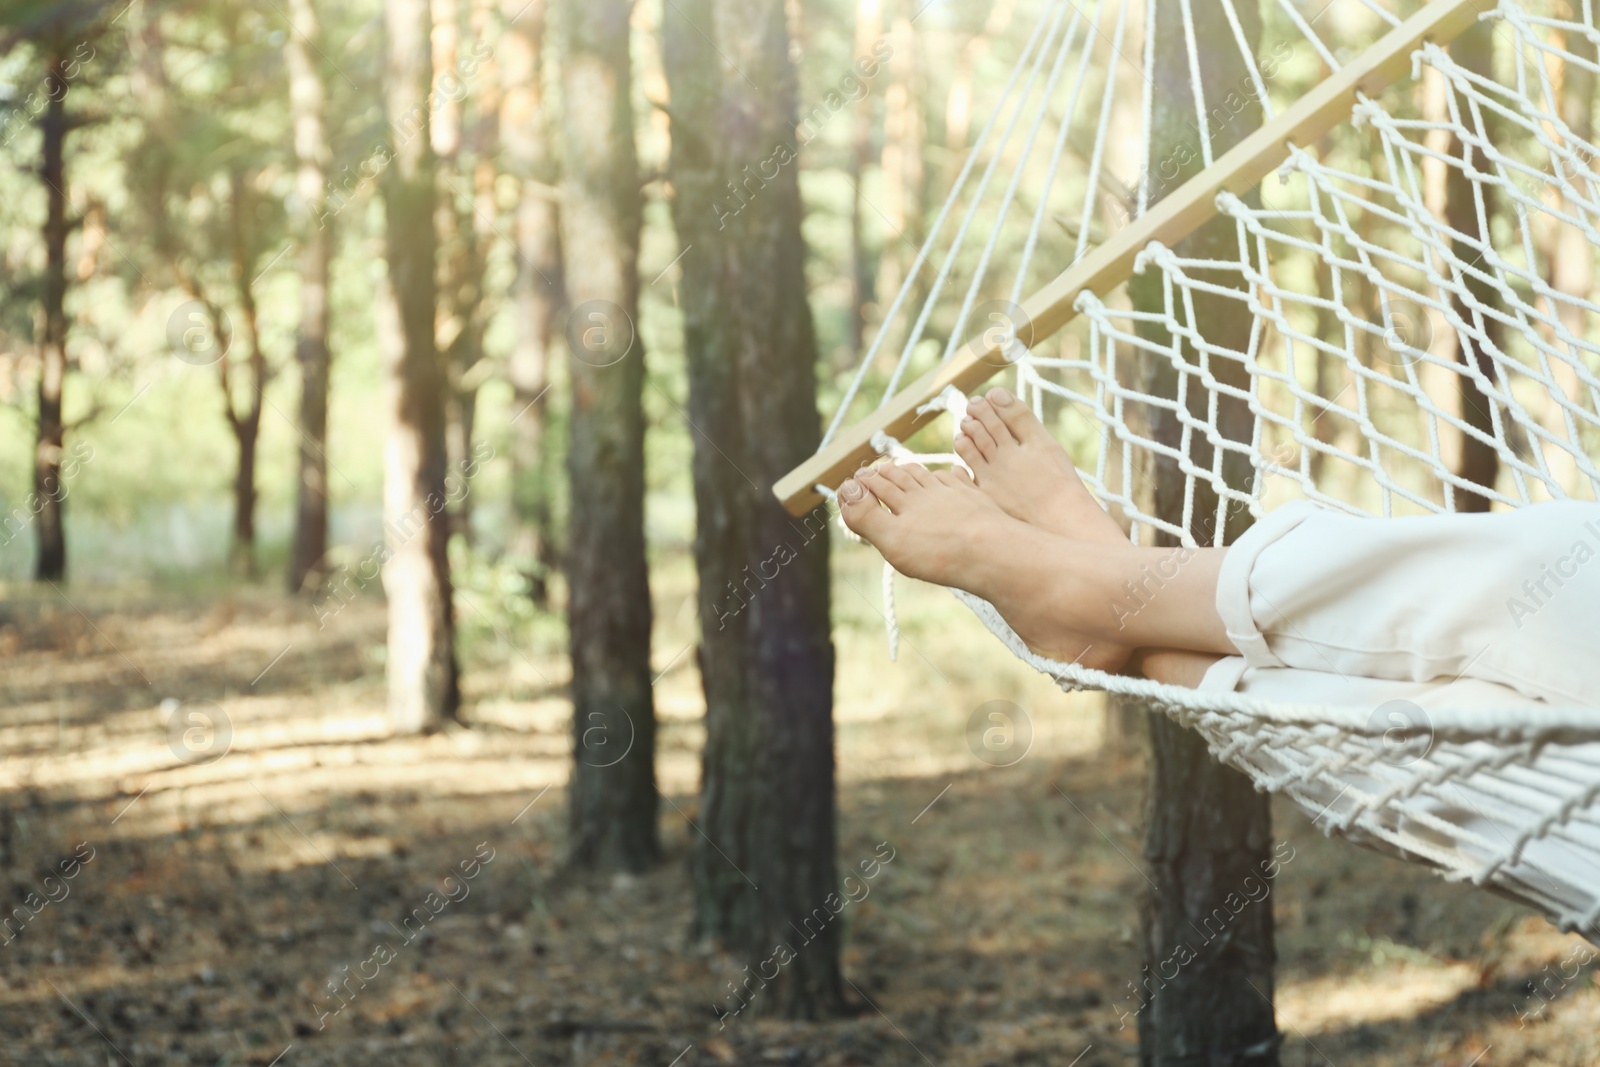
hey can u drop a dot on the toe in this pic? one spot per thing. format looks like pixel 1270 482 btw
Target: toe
pixel 954 476
pixel 860 509
pixel 1018 418
pixel 979 435
pixel 968 450
pixel 888 483
pixel 918 474
pixel 986 414
pixel 851 496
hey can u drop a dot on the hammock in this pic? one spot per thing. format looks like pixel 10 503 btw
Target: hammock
pixel 1359 293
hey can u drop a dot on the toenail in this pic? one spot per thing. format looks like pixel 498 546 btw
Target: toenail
pixel 976 402
pixel 851 490
pixel 1000 395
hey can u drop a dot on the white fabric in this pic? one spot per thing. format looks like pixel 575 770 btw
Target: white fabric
pixel 1511 598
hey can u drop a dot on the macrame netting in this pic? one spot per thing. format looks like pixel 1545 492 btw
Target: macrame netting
pixel 1361 296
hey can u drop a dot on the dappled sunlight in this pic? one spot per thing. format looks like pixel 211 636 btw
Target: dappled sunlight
pixel 1401 992
pixel 1011 901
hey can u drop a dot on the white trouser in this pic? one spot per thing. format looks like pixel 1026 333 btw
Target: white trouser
pixel 1511 599
pixel 1448 613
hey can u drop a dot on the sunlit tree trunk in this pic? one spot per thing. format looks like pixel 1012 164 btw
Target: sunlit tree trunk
pixel 416 577
pixel 51 564
pixel 869 27
pixel 483 210
pixel 903 178
pixel 525 129
pixel 307 105
pixel 458 274
pixel 958 102
pixel 1208 829
pixel 612 797
pixel 767 790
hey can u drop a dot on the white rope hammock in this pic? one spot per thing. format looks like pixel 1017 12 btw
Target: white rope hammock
pixel 1359 292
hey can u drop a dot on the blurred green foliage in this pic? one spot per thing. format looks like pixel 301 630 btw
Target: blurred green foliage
pixel 148 173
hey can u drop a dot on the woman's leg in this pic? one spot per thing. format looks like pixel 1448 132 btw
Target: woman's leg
pixel 1509 598
pixel 1023 469
pixel 1171 666
pixel 1093 603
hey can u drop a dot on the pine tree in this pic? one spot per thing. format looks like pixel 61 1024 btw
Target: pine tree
pixel 767 804
pixel 1208 829
pixel 423 689
pixel 612 798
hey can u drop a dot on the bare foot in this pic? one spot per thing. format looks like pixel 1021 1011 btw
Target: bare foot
pixel 1023 469
pixel 941 528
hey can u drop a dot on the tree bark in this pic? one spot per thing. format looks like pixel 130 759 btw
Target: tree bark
pixel 1480 460
pixel 1124 725
pixel 51 564
pixel 484 228
pixel 612 797
pixel 535 293
pixel 458 273
pixel 863 267
pixel 901 161
pixel 246 425
pixel 767 807
pixel 1208 830
pixel 307 107
pixel 423 689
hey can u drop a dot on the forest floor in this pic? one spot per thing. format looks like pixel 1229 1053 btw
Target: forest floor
pixel 217 900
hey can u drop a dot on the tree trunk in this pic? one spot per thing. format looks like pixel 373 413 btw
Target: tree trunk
pixel 958 98
pixel 242 548
pixel 246 426
pixel 1206 994
pixel 612 798
pixel 1124 725
pixel 454 321
pixel 52 559
pixel 869 27
pixel 1570 254
pixel 907 68
pixel 484 211
pixel 1327 382
pixel 1480 460
pixel 536 290
pixel 1573 256
pixel 767 809
pixel 423 689
pixel 903 178
pixel 307 104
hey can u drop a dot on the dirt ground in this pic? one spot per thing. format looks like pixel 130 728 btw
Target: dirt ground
pixel 210 905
